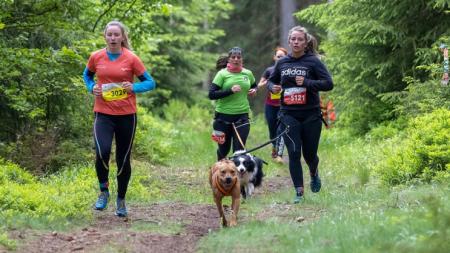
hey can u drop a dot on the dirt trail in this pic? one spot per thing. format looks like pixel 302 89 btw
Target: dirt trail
pixel 163 227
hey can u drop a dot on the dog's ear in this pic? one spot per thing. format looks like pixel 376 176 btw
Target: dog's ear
pixel 216 166
pixel 232 165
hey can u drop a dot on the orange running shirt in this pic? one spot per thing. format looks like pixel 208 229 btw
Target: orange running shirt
pixel 122 69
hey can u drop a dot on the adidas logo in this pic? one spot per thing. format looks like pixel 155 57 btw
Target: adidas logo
pixel 293 72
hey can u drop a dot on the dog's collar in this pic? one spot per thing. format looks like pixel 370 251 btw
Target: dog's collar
pixel 222 190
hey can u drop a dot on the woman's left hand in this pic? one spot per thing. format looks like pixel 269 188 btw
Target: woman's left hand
pixel 252 92
pixel 128 87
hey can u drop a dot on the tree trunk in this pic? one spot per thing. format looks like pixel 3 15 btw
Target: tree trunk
pixel 287 20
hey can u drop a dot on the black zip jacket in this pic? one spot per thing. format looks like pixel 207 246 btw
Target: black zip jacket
pixel 317 78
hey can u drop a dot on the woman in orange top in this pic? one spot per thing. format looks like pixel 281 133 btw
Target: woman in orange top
pixel 115 108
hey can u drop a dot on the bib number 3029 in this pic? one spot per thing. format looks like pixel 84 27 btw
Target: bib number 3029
pixel 113 91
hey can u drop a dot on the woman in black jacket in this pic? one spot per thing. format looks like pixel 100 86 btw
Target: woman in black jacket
pixel 301 75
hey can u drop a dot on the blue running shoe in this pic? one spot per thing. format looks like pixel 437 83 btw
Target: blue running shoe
pixel 298 195
pixel 298 199
pixel 315 182
pixel 121 210
pixel 102 201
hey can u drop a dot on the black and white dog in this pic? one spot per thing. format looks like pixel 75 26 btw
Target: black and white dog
pixel 250 170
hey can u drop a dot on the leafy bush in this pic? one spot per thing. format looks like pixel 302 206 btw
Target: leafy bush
pixel 70 152
pixel 193 145
pixel 194 117
pixel 424 154
pixel 8 243
pixel 372 47
pixel 174 134
pixel 12 172
pixel 424 96
pixel 40 109
pixel 386 130
pixel 63 195
pixel 45 153
pixel 154 138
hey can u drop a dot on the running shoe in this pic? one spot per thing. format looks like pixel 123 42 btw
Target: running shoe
pixel 278 159
pixel 102 201
pixel 121 210
pixel 316 183
pixel 298 195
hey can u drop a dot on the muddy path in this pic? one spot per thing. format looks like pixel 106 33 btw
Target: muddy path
pixel 163 227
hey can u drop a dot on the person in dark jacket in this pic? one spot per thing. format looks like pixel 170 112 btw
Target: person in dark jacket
pixel 300 76
pixel 272 108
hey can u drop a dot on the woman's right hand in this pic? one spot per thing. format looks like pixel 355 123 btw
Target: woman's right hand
pixel 276 88
pixel 262 82
pixel 97 90
pixel 236 88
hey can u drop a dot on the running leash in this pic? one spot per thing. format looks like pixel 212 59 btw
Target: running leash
pixel 286 130
pixel 238 135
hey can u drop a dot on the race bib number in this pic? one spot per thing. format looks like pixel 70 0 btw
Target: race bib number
pixel 295 96
pixel 113 91
pixel 275 96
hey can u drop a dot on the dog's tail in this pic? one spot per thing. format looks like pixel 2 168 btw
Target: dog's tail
pixel 259 173
pixel 260 161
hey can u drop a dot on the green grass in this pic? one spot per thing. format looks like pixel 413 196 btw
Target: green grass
pixel 354 212
pixel 6 242
pixel 340 220
pixel 30 202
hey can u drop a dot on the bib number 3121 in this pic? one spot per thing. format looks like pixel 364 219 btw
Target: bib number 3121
pixel 295 96
pixel 113 91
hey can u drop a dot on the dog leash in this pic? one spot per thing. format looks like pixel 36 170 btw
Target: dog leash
pixel 286 130
pixel 238 135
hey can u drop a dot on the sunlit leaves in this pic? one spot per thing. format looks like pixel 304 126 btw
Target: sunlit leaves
pixel 371 46
pixel 45 46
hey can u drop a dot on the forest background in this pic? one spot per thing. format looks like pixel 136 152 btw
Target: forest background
pixel 384 57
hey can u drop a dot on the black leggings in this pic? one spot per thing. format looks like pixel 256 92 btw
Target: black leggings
pixel 271 112
pixel 122 127
pixel 224 122
pixel 304 134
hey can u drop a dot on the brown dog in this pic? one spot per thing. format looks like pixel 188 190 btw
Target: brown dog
pixel 224 181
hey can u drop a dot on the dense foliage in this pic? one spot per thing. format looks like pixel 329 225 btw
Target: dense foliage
pixel 254 26
pixel 386 66
pixel 64 196
pixel 45 109
pixel 421 152
pixel 376 49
